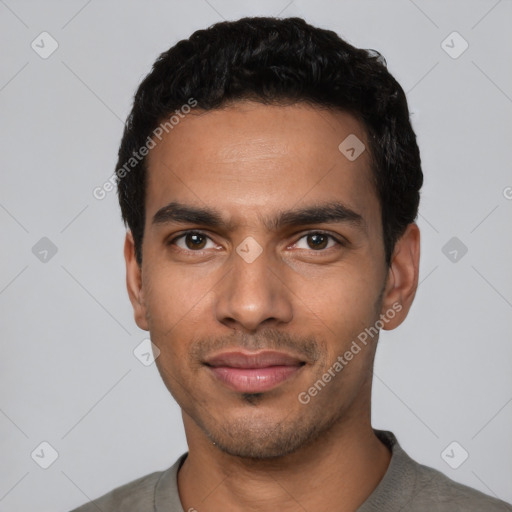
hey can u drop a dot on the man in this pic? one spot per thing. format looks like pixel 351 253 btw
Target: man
pixel 269 177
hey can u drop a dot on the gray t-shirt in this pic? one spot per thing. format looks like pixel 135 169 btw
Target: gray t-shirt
pixel 407 487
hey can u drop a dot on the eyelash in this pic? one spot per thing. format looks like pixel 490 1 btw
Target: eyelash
pixel 338 241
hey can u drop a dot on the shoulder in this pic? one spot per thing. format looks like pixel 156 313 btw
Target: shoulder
pixel 434 491
pixel 136 496
pixel 414 487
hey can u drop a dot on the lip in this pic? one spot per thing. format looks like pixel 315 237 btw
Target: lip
pixel 248 372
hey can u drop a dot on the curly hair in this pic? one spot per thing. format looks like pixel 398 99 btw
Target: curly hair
pixel 278 61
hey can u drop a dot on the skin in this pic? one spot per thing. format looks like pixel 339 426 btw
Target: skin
pixel 250 161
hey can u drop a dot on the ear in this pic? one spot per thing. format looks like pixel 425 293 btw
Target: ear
pixel 134 283
pixel 402 280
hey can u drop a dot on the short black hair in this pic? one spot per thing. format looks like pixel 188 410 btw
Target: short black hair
pixel 277 61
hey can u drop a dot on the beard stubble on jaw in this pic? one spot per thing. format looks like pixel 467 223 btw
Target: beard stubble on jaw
pixel 240 438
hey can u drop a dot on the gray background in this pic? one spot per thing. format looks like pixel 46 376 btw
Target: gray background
pixel 68 373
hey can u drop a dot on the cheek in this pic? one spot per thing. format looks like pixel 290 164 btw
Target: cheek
pixel 342 297
pixel 341 306
pixel 181 284
pixel 177 301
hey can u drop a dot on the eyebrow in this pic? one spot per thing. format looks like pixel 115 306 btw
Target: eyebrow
pixel 331 212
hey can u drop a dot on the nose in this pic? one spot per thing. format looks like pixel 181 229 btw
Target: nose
pixel 253 295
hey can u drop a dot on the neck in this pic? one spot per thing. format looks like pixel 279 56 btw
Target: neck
pixel 343 466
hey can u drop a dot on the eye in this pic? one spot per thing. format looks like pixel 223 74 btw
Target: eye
pixel 317 241
pixel 192 241
pixel 196 241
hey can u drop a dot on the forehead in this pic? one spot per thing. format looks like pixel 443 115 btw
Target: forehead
pixel 250 157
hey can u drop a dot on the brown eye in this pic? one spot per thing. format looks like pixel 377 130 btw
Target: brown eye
pixel 192 241
pixel 195 241
pixel 317 241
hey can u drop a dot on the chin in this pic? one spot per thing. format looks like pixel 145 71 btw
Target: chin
pixel 246 439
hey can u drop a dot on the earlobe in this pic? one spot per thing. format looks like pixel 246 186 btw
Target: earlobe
pixel 402 280
pixel 134 283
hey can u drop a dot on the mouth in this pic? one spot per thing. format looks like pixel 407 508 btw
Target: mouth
pixel 247 372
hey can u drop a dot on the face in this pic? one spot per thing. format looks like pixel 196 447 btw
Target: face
pixel 263 268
